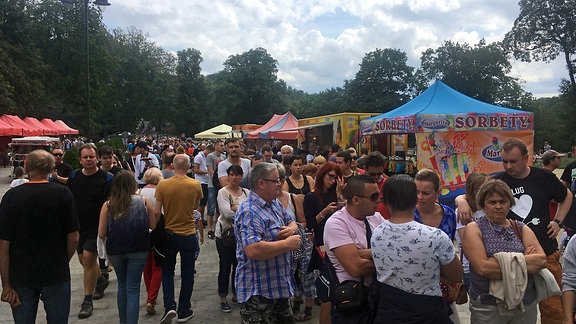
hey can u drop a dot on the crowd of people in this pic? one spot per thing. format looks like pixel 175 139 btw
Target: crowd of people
pixel 294 230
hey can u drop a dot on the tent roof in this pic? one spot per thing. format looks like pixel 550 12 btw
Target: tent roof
pixel 27 129
pixel 9 130
pixel 69 130
pixel 46 130
pixel 50 123
pixel 277 128
pixel 220 131
pixel 441 108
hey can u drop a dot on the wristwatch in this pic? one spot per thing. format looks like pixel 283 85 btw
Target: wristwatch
pixel 559 222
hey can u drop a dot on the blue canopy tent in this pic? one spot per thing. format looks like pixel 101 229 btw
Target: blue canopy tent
pixel 455 134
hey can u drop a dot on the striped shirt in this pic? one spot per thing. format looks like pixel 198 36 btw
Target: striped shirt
pixel 257 221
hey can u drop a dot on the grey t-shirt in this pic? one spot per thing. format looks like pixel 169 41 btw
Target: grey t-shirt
pixel 212 160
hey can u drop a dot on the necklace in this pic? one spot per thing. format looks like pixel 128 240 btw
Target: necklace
pixel 503 230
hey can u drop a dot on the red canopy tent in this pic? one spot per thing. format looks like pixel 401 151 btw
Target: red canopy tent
pixel 27 129
pixel 276 129
pixel 52 124
pixel 69 130
pixel 9 130
pixel 46 130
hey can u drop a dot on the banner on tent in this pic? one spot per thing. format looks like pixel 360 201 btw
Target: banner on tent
pixel 454 155
pixel 474 122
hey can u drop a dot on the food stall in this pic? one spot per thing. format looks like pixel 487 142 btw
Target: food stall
pixel 453 133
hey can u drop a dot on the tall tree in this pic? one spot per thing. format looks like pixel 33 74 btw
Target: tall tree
pixel 384 82
pixel 544 30
pixel 480 72
pixel 192 96
pixel 252 76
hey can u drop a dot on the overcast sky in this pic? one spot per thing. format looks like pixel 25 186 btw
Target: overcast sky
pixel 320 43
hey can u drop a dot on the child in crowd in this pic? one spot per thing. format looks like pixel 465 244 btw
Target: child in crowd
pixel 18 177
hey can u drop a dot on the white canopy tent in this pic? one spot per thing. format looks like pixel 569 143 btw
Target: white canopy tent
pixel 220 131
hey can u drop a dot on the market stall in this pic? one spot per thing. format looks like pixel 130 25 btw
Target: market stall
pixel 454 134
pixel 220 131
pixel 279 127
pixel 341 129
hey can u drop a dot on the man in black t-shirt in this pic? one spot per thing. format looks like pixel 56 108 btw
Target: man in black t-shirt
pixel 533 189
pixel 91 188
pixel 38 236
pixel 61 169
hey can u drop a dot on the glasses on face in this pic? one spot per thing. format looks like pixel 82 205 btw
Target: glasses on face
pixel 57 154
pixel 374 197
pixel 331 176
pixel 277 181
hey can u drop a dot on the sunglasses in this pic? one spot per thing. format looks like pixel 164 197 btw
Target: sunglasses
pixel 57 154
pixel 374 197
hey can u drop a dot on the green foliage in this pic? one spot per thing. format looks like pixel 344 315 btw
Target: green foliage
pixel 544 30
pixel 71 157
pixel 384 82
pixel 480 72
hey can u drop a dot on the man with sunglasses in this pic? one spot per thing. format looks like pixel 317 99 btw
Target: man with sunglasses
pixel 266 235
pixel 61 169
pixel 374 165
pixel 347 237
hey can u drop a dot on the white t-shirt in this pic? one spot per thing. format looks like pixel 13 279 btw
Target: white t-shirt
pixel 224 165
pixel 408 256
pixel 342 229
pixel 200 159
pixel 17 182
pixel 465 263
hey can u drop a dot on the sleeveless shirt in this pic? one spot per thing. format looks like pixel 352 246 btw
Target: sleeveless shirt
pixel 129 233
pixel 298 191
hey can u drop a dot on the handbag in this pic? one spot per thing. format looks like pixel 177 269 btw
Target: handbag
pixel 305 245
pixel 454 292
pixel 349 296
pixel 228 237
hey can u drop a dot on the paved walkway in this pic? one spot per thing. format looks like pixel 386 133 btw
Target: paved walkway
pixel 205 301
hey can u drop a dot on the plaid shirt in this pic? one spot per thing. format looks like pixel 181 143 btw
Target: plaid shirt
pixel 257 221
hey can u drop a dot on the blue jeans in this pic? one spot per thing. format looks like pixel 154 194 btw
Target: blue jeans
pixel 211 201
pixel 56 299
pixel 128 268
pixel 186 246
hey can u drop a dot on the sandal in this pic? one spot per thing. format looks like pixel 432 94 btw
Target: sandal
pixel 305 316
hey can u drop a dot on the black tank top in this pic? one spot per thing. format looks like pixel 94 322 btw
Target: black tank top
pixel 298 191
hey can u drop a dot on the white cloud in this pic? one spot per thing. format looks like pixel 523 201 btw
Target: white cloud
pixel 319 43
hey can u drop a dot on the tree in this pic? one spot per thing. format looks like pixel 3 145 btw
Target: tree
pixel 252 77
pixel 543 30
pixel 383 83
pixel 479 72
pixel 192 97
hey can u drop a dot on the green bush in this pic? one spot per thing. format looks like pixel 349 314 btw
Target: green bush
pixel 72 157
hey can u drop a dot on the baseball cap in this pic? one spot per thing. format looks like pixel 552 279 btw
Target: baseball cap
pixel 549 155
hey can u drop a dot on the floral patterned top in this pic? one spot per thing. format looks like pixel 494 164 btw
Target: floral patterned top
pixel 408 256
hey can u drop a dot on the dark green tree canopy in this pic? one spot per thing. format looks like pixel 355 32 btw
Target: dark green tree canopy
pixel 384 82
pixel 544 30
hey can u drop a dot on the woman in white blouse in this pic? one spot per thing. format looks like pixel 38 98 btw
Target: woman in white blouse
pixel 229 198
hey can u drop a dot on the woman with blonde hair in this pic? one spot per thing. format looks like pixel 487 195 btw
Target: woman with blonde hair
pixel 124 223
pixel 153 267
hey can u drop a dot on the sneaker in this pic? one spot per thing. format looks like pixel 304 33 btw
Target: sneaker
pixel 225 307
pixel 235 301
pixel 168 316
pixel 86 309
pixel 185 316
pixel 211 235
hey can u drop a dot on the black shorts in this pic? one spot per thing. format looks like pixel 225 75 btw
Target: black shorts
pixel 87 243
pixel 204 200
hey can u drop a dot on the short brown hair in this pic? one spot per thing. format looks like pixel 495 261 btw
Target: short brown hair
pixel 492 187
pixel 514 142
